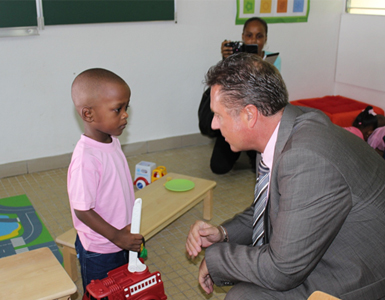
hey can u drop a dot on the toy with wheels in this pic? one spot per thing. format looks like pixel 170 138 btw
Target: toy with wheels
pixel 141 182
pixel 131 281
pixel 143 172
pixel 122 284
pixel 147 172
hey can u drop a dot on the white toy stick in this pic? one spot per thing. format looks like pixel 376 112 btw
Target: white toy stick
pixel 135 265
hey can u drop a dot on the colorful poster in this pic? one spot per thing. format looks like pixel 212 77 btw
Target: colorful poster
pixel 273 11
pixel 248 6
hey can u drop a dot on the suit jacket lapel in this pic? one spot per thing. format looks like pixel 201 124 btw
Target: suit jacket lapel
pixel 285 130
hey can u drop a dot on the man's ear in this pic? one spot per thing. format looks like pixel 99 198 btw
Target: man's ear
pixel 252 114
pixel 87 114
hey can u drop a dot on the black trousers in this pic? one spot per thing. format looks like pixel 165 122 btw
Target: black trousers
pixel 223 159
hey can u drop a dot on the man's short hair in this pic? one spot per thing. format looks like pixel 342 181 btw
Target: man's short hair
pixel 246 79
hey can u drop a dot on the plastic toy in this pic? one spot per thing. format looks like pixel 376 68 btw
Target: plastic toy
pixel 121 284
pixel 158 173
pixel 131 281
pixel 143 171
pixel 147 172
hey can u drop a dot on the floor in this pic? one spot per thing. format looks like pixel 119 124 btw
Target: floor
pixel 166 250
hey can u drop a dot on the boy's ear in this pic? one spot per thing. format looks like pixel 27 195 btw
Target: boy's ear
pixel 87 114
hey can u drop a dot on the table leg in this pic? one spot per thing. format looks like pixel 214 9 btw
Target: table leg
pixel 208 205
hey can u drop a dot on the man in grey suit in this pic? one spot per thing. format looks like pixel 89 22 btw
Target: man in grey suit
pixel 324 221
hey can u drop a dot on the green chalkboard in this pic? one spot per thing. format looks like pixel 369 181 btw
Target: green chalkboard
pixel 18 13
pixel 59 12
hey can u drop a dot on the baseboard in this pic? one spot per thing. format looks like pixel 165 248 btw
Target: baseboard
pixel 62 161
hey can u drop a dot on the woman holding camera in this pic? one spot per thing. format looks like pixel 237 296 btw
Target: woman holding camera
pixel 222 158
pixel 254 33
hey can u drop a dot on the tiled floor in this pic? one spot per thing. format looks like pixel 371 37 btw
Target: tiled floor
pixel 166 252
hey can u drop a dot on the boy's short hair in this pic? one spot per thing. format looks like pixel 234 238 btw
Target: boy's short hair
pixel 87 85
pixel 92 78
pixel 99 74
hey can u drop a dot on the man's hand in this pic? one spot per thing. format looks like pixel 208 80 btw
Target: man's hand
pixel 204 278
pixel 226 51
pixel 201 235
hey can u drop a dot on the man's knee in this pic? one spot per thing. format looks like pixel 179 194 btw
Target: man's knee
pixel 249 291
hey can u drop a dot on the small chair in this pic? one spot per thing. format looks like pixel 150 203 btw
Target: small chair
pixel 67 241
pixel 318 295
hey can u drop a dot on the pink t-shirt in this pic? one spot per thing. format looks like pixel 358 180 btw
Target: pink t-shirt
pixel 99 179
pixel 375 140
pixel 355 131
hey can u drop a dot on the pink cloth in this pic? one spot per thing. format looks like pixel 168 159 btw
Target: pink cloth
pixel 355 131
pixel 375 140
pixel 99 179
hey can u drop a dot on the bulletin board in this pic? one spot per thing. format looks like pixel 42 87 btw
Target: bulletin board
pixel 273 11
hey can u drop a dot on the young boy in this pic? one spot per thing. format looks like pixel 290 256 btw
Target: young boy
pixel 100 186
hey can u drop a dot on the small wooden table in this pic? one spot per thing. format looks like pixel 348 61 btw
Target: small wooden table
pixel 32 275
pixel 160 207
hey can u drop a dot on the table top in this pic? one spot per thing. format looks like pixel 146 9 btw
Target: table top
pixel 159 203
pixel 35 274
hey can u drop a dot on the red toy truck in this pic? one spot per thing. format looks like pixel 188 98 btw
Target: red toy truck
pixel 121 284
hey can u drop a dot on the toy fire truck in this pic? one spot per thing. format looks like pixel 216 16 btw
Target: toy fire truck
pixel 121 284
pixel 132 281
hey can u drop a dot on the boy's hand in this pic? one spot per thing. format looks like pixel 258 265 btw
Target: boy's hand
pixel 126 240
pixel 121 238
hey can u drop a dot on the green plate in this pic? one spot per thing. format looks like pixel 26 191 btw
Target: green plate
pixel 179 185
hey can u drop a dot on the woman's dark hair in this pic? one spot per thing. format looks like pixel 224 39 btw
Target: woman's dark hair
pixel 262 21
pixel 366 118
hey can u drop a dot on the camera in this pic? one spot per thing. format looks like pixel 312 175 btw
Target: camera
pixel 242 47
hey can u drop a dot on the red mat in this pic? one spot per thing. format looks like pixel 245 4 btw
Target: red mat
pixel 341 110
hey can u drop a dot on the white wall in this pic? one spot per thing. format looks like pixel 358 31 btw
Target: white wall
pixel 360 72
pixel 164 63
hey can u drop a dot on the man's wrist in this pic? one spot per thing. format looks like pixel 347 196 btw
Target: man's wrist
pixel 224 234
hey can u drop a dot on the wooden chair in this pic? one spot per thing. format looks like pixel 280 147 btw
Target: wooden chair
pixel 67 241
pixel 318 295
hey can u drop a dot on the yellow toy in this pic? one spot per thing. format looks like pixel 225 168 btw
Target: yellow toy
pixel 158 173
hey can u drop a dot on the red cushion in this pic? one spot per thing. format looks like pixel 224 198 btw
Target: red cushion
pixel 341 110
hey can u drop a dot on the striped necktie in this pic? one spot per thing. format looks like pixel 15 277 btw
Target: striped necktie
pixel 260 200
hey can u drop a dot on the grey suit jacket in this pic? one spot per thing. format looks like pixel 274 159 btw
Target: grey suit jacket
pixel 326 218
